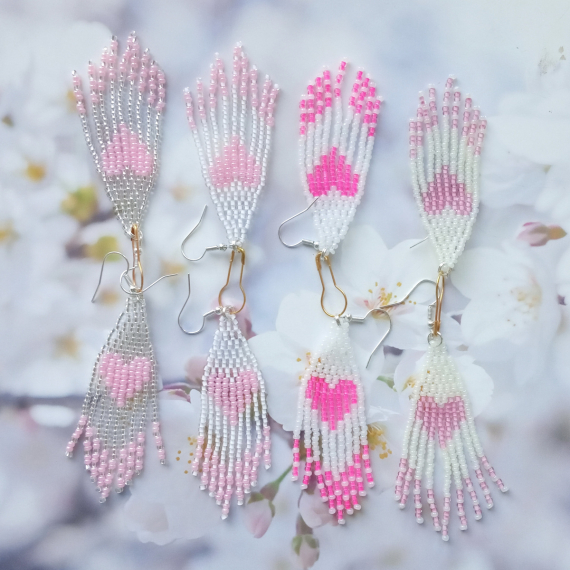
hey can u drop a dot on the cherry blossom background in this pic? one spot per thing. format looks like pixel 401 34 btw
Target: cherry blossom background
pixel 506 311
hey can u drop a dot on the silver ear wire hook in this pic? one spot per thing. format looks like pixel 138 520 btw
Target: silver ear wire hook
pixel 132 286
pixel 221 247
pixel 418 243
pixel 204 316
pixel 103 267
pixel 308 242
pixel 362 319
pixel 409 293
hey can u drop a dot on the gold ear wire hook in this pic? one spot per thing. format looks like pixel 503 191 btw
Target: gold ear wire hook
pixel 439 290
pixel 232 257
pixel 320 270
pixel 136 244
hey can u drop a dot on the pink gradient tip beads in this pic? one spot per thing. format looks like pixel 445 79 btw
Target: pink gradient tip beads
pixel 335 150
pixel 445 182
pixel 126 100
pixel 233 140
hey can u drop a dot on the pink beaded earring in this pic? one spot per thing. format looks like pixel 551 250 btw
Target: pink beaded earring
pixel 237 141
pixel 446 187
pixel 127 97
pixel 334 155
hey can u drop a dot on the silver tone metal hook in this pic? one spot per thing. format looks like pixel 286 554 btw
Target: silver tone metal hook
pixel 362 319
pixel 418 243
pixel 409 293
pixel 221 247
pixel 103 267
pixel 308 242
pixel 215 311
pixel 132 285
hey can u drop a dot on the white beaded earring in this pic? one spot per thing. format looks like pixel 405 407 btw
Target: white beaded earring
pixel 334 157
pixel 234 169
pixel 445 184
pixel 127 95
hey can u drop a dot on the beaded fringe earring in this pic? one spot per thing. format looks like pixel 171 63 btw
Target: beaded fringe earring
pixel 234 169
pixel 448 201
pixel 331 414
pixel 334 156
pixel 127 95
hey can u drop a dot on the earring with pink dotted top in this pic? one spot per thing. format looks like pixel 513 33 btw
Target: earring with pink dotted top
pixel 446 186
pixel 335 150
pixel 127 95
pixel 234 436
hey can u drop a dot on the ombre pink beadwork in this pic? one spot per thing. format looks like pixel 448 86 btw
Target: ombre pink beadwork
pixel 331 416
pixel 335 151
pixel 440 415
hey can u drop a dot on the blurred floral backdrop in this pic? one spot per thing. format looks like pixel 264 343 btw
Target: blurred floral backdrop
pixel 507 317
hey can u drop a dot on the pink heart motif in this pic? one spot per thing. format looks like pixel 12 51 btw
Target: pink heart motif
pixel 233 397
pixel 123 380
pixel 330 173
pixel 446 191
pixel 235 165
pixel 125 151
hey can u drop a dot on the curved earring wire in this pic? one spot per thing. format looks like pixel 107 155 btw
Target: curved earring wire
pixel 409 293
pixel 221 247
pixel 204 316
pixel 362 319
pixel 103 267
pixel 128 279
pixel 302 241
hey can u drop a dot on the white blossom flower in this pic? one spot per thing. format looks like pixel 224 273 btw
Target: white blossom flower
pixel 166 502
pixel 514 311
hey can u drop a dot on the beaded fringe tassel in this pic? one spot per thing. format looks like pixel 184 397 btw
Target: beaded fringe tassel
pixel 446 187
pixel 335 150
pixel 441 412
pixel 114 414
pixel 233 402
pixel 331 414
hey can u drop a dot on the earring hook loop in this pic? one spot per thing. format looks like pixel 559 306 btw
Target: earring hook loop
pixel 232 257
pixel 308 242
pixel 320 255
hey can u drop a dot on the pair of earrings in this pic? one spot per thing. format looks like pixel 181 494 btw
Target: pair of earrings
pixel 127 96
pixel 330 411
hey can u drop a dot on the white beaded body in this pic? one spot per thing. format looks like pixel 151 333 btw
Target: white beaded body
pixel 332 417
pixel 440 414
pixel 234 410
pixel 335 151
pixel 445 178
pixel 233 142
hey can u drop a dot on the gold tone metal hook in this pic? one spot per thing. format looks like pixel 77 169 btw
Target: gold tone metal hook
pixel 136 239
pixel 439 290
pixel 232 257
pixel 320 270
